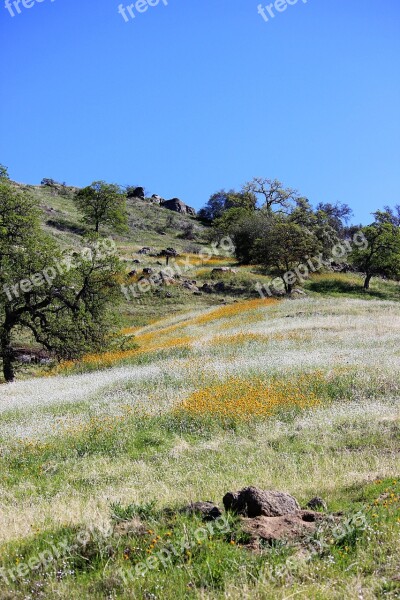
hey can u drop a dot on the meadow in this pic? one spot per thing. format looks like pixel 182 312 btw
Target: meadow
pixel 294 395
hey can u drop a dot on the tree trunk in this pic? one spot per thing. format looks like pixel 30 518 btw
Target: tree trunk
pixel 7 356
pixel 366 282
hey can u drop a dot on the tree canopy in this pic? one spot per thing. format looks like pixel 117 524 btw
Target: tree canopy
pixel 102 204
pixel 61 299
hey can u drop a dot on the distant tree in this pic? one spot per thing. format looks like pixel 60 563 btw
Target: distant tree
pixel 273 196
pixel 47 182
pixel 4 172
pixel 103 204
pixel 388 215
pixel 335 215
pixel 245 233
pixel 285 247
pixel 222 201
pixel 380 257
pixel 65 309
pixel 215 206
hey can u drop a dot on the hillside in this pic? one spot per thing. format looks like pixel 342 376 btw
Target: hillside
pixel 282 395
pixel 227 446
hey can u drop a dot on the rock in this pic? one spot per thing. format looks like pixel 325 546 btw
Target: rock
pixel 168 295
pixel 253 502
pixel 169 252
pixel 207 288
pixel 132 273
pixel 156 199
pixel 190 286
pixel 145 250
pixel 148 271
pixel 26 359
pixel 136 261
pixel 317 503
pixel 208 510
pixel 137 193
pixel 197 293
pixel 219 286
pixel 178 206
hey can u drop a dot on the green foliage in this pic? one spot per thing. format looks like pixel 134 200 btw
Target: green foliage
pixel 126 513
pixel 61 299
pixel 284 248
pixel 3 172
pixel 380 256
pixel 103 204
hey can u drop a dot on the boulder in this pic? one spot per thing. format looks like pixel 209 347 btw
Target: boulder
pixel 169 252
pixel 137 193
pixel 207 288
pixel 252 502
pixel 190 286
pixel 317 503
pixel 208 510
pixel 178 206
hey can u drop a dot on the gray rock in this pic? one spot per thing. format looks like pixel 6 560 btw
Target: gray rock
pixel 252 502
pixel 317 503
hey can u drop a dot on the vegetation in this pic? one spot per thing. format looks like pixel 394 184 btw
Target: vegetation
pixel 102 204
pixel 192 397
pixel 60 299
pixel 381 256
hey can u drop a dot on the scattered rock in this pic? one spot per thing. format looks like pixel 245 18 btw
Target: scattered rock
pixel 169 252
pixel 207 288
pixel 190 286
pixel 317 503
pixel 253 502
pixel 208 510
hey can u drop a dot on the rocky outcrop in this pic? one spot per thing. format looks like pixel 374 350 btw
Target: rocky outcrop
pixel 178 206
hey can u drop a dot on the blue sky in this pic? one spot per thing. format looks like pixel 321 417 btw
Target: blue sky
pixel 199 95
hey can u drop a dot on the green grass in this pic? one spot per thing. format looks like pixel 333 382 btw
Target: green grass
pixel 351 285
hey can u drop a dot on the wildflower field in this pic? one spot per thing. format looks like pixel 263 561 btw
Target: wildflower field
pixel 294 395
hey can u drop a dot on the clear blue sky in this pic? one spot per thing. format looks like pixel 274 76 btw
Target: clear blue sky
pixel 202 94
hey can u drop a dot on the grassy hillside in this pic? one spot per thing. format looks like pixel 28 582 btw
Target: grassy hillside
pixel 210 393
pixel 300 396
